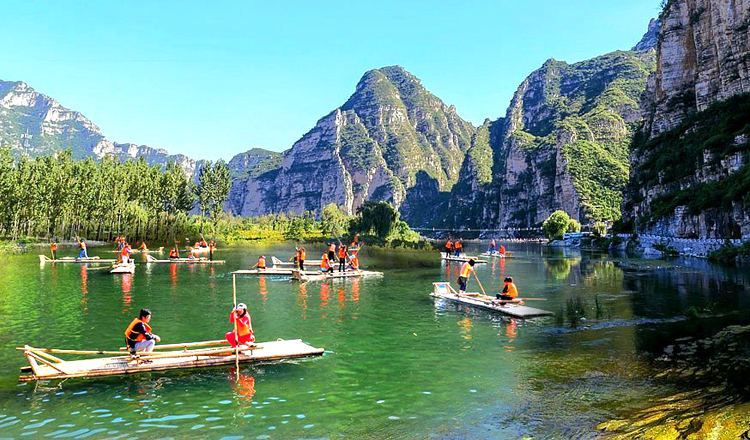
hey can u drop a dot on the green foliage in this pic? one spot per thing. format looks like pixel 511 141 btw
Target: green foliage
pixel 599 229
pixel 213 188
pixel 573 226
pixel 379 218
pixel 556 225
pixel 729 253
pixel 333 220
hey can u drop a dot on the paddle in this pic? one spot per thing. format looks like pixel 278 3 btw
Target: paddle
pixel 480 283
pixel 236 333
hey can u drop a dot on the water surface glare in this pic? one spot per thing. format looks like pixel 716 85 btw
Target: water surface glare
pixel 397 363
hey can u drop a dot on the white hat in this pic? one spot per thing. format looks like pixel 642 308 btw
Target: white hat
pixel 241 306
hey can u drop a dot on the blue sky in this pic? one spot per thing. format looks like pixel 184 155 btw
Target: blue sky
pixel 212 79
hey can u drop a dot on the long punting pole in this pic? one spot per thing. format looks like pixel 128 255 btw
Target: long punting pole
pixel 236 334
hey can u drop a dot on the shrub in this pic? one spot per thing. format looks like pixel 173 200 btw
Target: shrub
pixel 556 225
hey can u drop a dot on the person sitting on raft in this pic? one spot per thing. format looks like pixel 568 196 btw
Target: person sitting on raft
pixel 325 264
pixel 502 250
pixel 143 246
pixel 173 254
pixel 510 291
pixel 464 274
pixel 261 264
pixel 244 326
pixel 138 335
pixel 125 253
pixel 354 261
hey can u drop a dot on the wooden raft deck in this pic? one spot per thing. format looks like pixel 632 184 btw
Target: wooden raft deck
pixel 318 276
pixel 45 259
pixel 121 365
pixel 150 259
pixel 272 271
pixel 497 255
pixel 463 258
pixel 511 308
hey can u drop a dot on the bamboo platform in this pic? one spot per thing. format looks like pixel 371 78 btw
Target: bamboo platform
pixel 202 260
pixel 497 255
pixel 278 263
pixel 463 258
pixel 123 268
pixel 144 251
pixel 44 365
pixel 271 271
pixel 513 308
pixel 198 250
pixel 319 276
pixel 45 259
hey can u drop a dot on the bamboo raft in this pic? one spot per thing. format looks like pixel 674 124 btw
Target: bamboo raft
pixel 43 365
pixel 202 260
pixel 445 256
pixel 45 259
pixel 497 255
pixel 318 276
pixel 123 268
pixel 198 250
pixel 144 251
pixel 514 308
pixel 274 271
pixel 276 262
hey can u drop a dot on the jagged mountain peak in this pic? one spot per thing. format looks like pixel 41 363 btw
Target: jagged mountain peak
pixel 651 37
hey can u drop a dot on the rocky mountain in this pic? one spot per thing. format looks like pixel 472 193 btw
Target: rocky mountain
pixel 34 124
pixel 651 37
pixel 391 140
pixel 563 144
pixel 689 174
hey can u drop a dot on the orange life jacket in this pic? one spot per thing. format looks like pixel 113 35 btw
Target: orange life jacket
pixel 354 260
pixel 54 246
pixel 502 249
pixel 261 263
pixel 342 252
pixel 173 253
pixel 324 262
pixel 302 254
pixel 332 248
pixel 243 323
pixel 140 336
pixel 449 245
pixel 143 245
pixel 458 245
pixel 465 270
pixel 512 290
pixel 83 245
pixel 125 251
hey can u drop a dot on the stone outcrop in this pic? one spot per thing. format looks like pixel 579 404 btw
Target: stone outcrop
pixel 703 57
pixel 392 140
pixel 48 127
pixel 651 37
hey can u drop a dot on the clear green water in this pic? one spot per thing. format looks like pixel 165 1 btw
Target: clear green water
pixel 397 364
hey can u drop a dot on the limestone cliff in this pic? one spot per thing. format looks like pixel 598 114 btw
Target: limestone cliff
pixel 562 145
pixel 689 165
pixel 392 140
pixel 34 124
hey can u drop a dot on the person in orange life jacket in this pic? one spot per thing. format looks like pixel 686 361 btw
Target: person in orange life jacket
pixel 493 246
pixel 53 245
pixel 173 253
pixel 464 274
pixel 138 335
pixel 342 258
pixel 510 291
pixel 244 326
pixel 459 246
pixel 82 246
pixel 354 261
pixel 203 243
pixel 301 253
pixel 143 246
pixel 325 264
pixel 261 264
pixel 449 247
pixel 502 250
pixel 125 253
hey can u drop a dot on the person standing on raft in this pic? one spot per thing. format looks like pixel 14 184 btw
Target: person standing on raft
pixel 82 246
pixel 342 258
pixel 331 253
pixel 458 245
pixel 510 291
pixel 463 276
pixel 301 258
pixel 53 246
pixel 244 326
pixel 449 247
pixel 493 246
pixel 138 335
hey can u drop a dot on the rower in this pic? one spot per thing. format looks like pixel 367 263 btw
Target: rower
pixel 203 243
pixel 342 258
pixel 458 246
pixel 510 291
pixel 261 264
pixel 125 253
pixel 449 247
pixel 53 245
pixel 502 250
pixel 138 336
pixel 82 246
pixel 143 246
pixel 464 274
pixel 331 252
pixel 173 254
pixel 244 326
pixel 354 261
pixel 301 258
pixel 493 246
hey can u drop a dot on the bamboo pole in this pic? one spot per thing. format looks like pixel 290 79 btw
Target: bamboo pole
pixel 44 361
pixel 480 283
pixel 236 333
pixel 57 350
pixel 186 345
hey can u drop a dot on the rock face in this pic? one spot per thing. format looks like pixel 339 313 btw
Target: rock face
pixel 690 162
pixel 392 140
pixel 651 37
pixel 48 127
pixel 562 145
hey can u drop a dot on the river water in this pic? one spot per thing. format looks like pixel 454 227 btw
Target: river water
pixel 397 364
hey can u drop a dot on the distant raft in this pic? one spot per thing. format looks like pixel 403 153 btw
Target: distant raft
pixel 145 251
pixel 123 268
pixel 513 308
pixel 293 264
pixel 497 255
pixel 202 260
pixel 319 276
pixel 445 256
pixel 44 366
pixel 45 259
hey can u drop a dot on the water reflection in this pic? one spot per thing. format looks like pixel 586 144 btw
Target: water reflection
pixel 244 385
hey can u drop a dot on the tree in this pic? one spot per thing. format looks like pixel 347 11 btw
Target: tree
pixel 556 225
pixel 380 217
pixel 333 220
pixel 599 229
pixel 213 188
pixel 573 226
